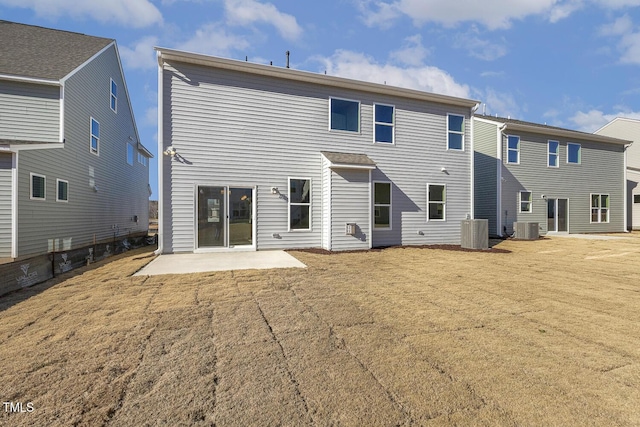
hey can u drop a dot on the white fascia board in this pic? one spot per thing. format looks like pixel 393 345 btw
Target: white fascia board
pixel 566 133
pixel 165 54
pixel 350 166
pixel 48 82
pixel 14 148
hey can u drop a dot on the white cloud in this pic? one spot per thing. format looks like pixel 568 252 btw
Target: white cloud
pixel 479 48
pixel 344 63
pixel 620 26
pixel 593 120
pixel 412 52
pixel 629 41
pixel 151 116
pixel 247 12
pixel 132 13
pixel 502 104
pixel 213 39
pixel 384 16
pixel 141 55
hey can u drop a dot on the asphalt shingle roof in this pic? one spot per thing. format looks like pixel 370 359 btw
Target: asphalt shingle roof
pixel 45 53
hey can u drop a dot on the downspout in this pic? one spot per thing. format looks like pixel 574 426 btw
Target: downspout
pixel 14 204
pixel 472 162
pixel 624 186
pixel 499 133
pixel 160 235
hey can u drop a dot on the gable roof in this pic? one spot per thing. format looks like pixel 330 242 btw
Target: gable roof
pixel 508 124
pixel 44 53
pixel 165 54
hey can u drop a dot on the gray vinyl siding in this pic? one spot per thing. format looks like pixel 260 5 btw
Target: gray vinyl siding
pixel 601 172
pixel 30 112
pixel 5 204
pixel 246 129
pixel 350 195
pixel 485 172
pixel 122 188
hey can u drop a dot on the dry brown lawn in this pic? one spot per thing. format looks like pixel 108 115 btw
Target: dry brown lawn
pixel 545 335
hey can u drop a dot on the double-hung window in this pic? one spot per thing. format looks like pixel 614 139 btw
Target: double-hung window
pixel 436 202
pixel 513 149
pixel 383 126
pixel 344 115
pixel 299 204
pixel 599 208
pixel 114 96
pixel 62 190
pixel 38 187
pixel 95 136
pixel 553 147
pixel 526 199
pixel 574 153
pixel 455 132
pixel 381 205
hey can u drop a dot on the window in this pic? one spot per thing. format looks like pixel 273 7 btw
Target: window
pixel 63 190
pixel 95 135
pixel 345 115
pixel 455 132
pixel 130 154
pixel 636 198
pixel 599 208
pixel 513 149
pixel 553 146
pixel 142 159
pixel 114 96
pixel 436 202
pixel 526 199
pixel 38 187
pixel 383 127
pixel 381 205
pixel 574 153
pixel 299 204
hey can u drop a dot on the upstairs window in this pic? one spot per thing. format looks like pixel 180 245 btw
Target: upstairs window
pixel 345 115
pixel 299 204
pixel 574 153
pixel 381 205
pixel 130 154
pixel 436 201
pixel 553 146
pixel 384 123
pixel 38 187
pixel 455 132
pixel 526 199
pixel 95 136
pixel 513 149
pixel 142 159
pixel 114 96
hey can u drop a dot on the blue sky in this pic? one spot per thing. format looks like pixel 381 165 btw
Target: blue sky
pixel 569 63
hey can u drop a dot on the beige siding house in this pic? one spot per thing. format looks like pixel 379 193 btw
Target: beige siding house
pixel 629 129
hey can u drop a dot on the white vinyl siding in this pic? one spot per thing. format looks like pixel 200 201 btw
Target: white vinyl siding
pixel 30 112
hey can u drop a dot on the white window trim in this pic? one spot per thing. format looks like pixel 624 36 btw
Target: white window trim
pixel 374 204
pixel 444 202
pixel 520 202
pixel 58 181
pixel 289 204
pixel 464 123
pixel 347 132
pixel 133 154
pixel 392 124
pixel 591 221
pixel 31 175
pixel 557 153
pixel 97 150
pixel 111 95
pixel 579 162
pixel 511 149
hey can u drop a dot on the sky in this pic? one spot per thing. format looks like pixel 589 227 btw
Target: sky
pixel 567 63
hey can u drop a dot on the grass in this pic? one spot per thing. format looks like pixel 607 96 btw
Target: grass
pixel 544 333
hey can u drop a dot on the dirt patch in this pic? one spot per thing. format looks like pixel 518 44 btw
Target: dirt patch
pixel 456 248
pixel 548 334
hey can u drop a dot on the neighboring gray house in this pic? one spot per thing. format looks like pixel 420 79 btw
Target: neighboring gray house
pixel 262 157
pixel 567 181
pixel 629 129
pixel 72 168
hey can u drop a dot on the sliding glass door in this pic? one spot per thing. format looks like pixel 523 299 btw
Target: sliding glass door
pixel 224 217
